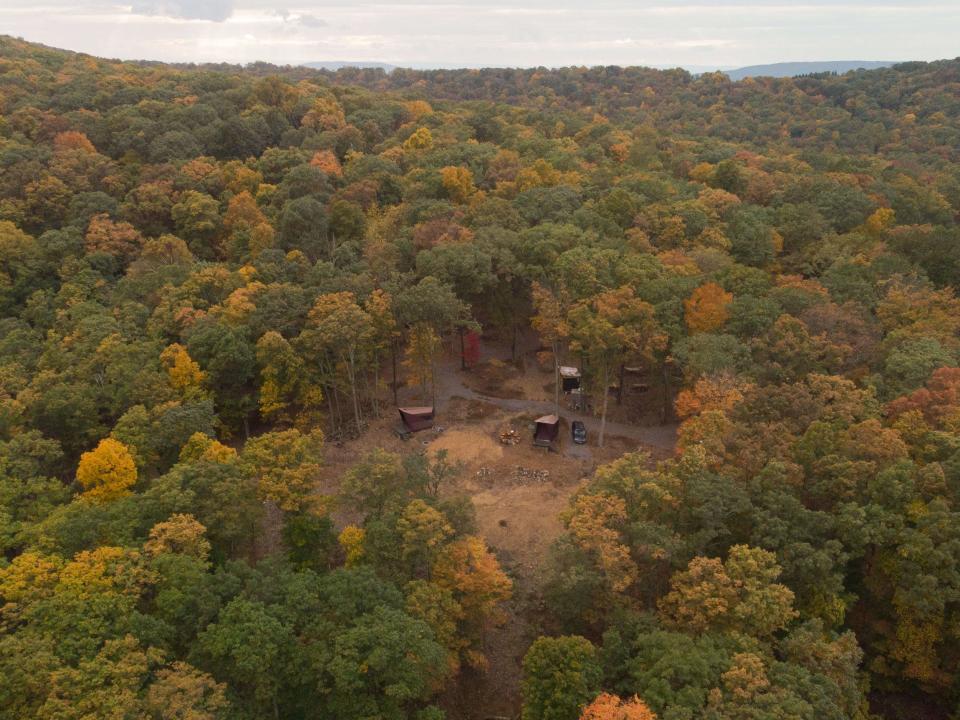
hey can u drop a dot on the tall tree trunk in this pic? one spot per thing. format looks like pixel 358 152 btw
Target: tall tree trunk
pixel 375 390
pixel 336 404
pixel 606 394
pixel 333 418
pixel 351 370
pixel 513 344
pixel 667 400
pixel 620 387
pixel 556 378
pixel 393 361
pixel 463 355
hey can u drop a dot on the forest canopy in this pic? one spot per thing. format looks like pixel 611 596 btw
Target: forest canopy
pixel 206 273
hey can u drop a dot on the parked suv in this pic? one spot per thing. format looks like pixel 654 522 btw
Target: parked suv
pixel 579 432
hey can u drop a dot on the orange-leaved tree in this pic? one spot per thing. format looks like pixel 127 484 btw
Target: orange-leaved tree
pixel 706 309
pixel 612 707
pixel 470 571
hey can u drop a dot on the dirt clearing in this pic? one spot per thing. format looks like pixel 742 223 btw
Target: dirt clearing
pixel 468 446
pixel 518 491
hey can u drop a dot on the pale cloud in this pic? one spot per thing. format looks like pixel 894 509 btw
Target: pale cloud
pixel 529 12
pixel 213 10
pixel 311 21
pixel 304 19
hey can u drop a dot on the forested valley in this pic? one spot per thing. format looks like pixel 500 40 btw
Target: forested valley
pixel 217 282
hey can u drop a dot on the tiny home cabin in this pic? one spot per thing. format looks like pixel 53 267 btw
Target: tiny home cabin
pixel 546 430
pixel 414 419
pixel 417 418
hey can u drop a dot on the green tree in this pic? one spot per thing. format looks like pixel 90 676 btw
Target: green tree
pixel 252 648
pixel 338 326
pixel 303 226
pixel 376 482
pixel 196 216
pixel 383 665
pixel 752 239
pixel 228 358
pixel 108 685
pixel 560 676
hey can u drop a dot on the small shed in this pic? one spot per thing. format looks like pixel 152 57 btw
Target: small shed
pixel 415 419
pixel 546 430
pixel 578 399
pixel 569 378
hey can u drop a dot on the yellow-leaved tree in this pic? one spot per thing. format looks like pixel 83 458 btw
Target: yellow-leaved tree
pixel 458 182
pixel 285 465
pixel 183 372
pixel 203 448
pixel 107 472
pixel 594 522
pixel 420 139
pixel 351 540
pixel 181 534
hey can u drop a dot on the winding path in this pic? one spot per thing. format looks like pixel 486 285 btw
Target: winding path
pixel 450 385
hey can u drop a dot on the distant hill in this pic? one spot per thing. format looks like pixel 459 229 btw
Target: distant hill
pixel 335 65
pixel 785 69
pixel 792 69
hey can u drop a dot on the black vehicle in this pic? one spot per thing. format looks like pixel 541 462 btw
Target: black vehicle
pixel 579 432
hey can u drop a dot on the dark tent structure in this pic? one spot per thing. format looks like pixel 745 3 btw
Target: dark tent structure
pixel 415 419
pixel 546 431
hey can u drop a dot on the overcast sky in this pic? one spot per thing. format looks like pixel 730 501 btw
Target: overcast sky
pixel 689 33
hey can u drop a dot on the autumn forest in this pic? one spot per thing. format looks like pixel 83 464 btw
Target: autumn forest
pixel 218 282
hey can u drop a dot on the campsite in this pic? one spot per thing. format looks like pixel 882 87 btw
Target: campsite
pixel 518 489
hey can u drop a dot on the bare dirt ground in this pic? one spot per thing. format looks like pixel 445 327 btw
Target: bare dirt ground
pixel 497 379
pixel 518 492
